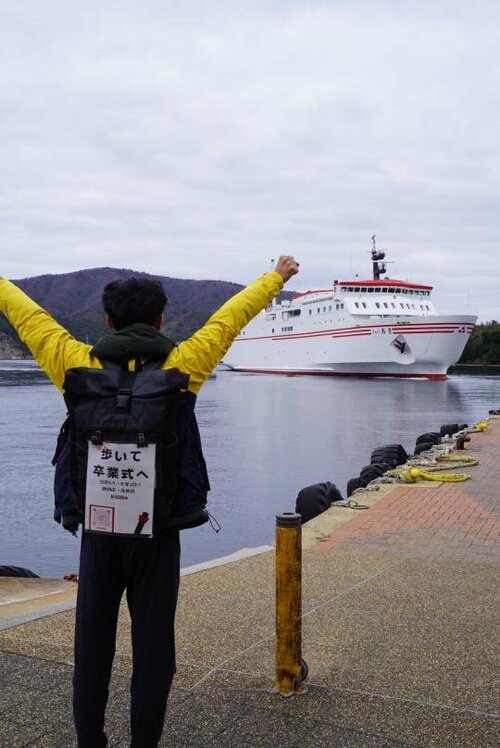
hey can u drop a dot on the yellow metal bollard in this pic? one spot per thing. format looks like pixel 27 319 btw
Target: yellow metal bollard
pixel 290 669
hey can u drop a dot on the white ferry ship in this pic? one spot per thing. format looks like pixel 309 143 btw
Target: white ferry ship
pixel 373 328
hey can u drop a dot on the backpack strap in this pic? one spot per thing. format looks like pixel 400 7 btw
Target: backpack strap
pixel 61 439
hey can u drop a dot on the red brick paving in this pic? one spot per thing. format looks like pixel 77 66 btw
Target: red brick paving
pixel 454 521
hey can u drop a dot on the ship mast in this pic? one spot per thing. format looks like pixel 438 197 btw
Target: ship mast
pixel 378 267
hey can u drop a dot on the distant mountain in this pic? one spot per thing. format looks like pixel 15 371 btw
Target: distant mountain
pixel 74 300
pixel 10 348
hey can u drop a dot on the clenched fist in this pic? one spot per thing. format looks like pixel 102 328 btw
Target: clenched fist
pixel 286 267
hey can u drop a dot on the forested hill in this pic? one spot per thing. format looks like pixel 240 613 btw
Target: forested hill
pixel 484 345
pixel 74 299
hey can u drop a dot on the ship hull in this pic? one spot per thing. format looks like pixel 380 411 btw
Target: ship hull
pixel 420 347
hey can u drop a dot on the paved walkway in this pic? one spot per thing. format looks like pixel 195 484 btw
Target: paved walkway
pixel 399 607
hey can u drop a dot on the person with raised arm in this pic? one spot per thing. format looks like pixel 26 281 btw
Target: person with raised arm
pixel 146 568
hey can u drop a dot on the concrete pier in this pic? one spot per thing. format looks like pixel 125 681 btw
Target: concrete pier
pixel 399 613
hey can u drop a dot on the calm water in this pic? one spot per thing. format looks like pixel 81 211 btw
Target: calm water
pixel 265 438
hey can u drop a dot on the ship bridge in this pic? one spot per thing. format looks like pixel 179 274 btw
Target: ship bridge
pixel 385 297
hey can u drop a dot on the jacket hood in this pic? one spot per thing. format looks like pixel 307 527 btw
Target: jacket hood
pixel 137 340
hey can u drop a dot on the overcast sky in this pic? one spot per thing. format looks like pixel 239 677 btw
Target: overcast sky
pixel 200 139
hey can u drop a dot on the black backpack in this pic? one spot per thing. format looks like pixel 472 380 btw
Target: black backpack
pixel 119 424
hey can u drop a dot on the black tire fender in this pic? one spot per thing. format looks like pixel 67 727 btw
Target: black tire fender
pixel 431 436
pixel 352 485
pixel 17 571
pixel 423 447
pixel 316 499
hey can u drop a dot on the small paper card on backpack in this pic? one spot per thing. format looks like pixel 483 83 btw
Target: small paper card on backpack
pixel 120 489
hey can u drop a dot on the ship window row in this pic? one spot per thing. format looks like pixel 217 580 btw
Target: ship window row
pixel 385 289
pixel 286 329
pixel 320 310
pixel 402 305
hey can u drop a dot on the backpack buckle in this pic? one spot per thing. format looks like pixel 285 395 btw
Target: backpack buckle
pixel 123 398
pixel 96 438
pixel 142 441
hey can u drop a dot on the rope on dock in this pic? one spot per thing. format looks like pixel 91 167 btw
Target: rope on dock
pixel 412 474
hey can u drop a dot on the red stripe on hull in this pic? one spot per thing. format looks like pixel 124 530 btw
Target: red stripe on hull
pixel 432 377
pixel 431 328
pixel 441 331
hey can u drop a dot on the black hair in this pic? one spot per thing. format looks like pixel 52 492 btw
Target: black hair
pixel 134 300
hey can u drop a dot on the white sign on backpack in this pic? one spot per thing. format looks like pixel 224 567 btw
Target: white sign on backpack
pixel 119 497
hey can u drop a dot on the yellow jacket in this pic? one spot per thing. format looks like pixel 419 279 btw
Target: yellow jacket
pixel 56 350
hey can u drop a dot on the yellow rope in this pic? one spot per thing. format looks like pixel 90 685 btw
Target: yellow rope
pixel 411 475
pixel 441 466
pixel 481 426
pixel 456 458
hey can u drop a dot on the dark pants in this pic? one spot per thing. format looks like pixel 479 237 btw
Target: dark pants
pixel 149 570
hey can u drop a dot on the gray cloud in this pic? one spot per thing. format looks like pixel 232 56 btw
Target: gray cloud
pixel 199 142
